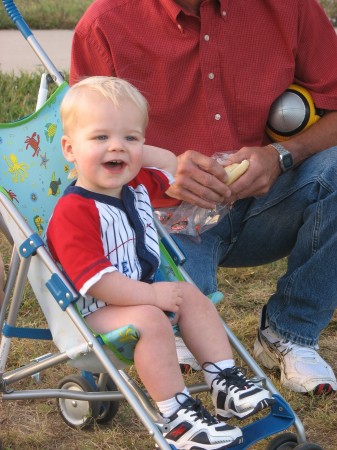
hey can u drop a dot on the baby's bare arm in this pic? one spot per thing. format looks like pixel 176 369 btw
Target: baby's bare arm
pixel 160 158
pixel 116 289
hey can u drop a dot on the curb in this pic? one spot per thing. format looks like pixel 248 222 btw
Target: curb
pixel 17 55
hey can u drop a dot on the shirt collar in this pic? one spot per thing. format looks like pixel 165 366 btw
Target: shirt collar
pixel 173 9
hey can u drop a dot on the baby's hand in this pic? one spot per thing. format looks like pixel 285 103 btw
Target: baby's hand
pixel 168 295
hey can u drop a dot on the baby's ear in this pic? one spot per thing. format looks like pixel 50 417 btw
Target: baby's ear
pixel 67 148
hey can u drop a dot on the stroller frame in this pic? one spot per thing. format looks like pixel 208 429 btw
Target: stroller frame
pixel 30 256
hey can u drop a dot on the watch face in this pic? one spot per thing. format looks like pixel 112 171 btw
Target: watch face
pixel 287 162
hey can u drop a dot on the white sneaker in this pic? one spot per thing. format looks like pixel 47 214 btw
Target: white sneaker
pixel 302 368
pixel 187 361
pixel 192 427
pixel 234 395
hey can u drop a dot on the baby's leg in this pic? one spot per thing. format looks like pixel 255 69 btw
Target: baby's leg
pixel 203 332
pixel 201 327
pixel 155 354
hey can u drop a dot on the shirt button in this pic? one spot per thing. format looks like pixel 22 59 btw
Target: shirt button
pixel 217 117
pixel 224 13
pixel 206 37
pixel 211 76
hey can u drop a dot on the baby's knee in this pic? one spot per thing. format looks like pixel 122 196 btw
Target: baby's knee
pixel 155 317
pixel 154 324
pixel 193 297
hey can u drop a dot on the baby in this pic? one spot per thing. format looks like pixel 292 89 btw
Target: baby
pixel 102 233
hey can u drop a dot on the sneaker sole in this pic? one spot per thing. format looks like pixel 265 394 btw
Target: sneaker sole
pixel 194 446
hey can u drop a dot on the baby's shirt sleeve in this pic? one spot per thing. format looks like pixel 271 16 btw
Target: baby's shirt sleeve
pixel 73 238
pixel 156 181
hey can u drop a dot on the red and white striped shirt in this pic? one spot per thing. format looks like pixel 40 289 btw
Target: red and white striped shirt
pixel 91 234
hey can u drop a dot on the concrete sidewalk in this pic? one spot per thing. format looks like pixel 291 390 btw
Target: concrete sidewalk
pixel 17 55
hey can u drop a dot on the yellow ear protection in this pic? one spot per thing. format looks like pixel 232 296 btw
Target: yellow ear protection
pixel 291 113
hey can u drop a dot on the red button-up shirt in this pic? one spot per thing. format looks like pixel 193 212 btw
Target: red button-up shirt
pixel 209 80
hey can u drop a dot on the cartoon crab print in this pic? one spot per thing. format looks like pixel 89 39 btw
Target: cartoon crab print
pixel 50 131
pixel 12 195
pixel 18 170
pixel 34 142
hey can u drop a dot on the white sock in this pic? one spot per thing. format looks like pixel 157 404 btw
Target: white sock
pixel 225 364
pixel 170 406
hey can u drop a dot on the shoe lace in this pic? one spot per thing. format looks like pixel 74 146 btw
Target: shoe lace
pixel 285 347
pixel 232 377
pixel 194 406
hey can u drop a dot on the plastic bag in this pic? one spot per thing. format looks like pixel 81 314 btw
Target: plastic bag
pixel 191 219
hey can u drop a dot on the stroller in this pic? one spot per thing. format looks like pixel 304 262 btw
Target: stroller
pixel 33 176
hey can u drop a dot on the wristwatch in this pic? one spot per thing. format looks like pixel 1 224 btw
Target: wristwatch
pixel 285 157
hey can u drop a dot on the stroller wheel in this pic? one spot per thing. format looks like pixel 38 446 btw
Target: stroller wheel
pixel 77 413
pixel 108 409
pixel 285 441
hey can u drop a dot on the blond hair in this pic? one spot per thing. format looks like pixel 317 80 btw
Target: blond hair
pixel 112 88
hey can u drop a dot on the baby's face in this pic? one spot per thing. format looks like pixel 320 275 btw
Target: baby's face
pixel 106 144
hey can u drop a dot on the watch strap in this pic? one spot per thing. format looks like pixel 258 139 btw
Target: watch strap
pixel 285 157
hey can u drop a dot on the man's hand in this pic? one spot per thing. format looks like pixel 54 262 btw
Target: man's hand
pixel 199 180
pixel 261 174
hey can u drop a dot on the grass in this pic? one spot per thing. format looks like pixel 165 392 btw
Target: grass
pixel 46 14
pixel 36 424
pixel 18 95
pixel 330 7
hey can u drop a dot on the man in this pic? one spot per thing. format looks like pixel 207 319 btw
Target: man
pixel 210 70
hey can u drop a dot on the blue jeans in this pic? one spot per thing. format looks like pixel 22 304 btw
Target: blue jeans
pixel 298 219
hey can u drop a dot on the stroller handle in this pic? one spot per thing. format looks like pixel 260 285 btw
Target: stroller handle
pixel 22 26
pixel 16 17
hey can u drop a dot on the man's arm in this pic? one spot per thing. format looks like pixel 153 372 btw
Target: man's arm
pixel 319 137
pixel 264 161
pixel 89 55
pixel 201 180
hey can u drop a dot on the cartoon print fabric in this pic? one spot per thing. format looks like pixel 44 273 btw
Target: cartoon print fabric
pixel 33 171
